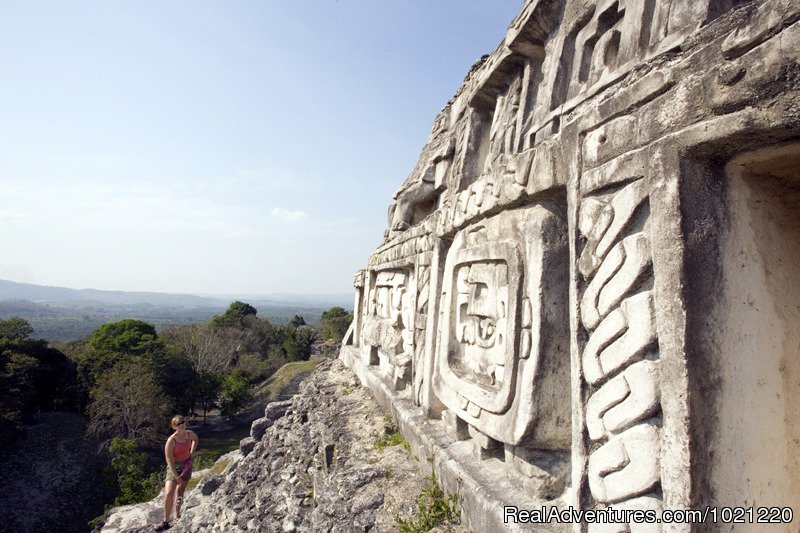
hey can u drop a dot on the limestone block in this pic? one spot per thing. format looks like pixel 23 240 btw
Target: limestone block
pixel 767 18
pixel 544 472
pixel 625 466
pixel 474 410
pixel 210 483
pixel 590 314
pixel 490 194
pixel 609 140
pixel 472 208
pixel 525 344
pixel 644 89
pixel 259 427
pixel 624 335
pixel 546 170
pixel 483 445
pixel 623 400
pixel 527 313
pixel 478 190
pixel 755 75
pixel 511 190
pixel 275 410
pixel 456 428
pixel 440 172
pixel 459 212
pixel 637 259
pixel 246 445
pixel 520 166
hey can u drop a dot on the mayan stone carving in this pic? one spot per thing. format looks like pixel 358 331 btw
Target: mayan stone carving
pixel 503 323
pixel 585 296
pixel 620 357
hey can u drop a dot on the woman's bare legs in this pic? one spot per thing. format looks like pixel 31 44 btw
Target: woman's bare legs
pixel 169 498
pixel 180 489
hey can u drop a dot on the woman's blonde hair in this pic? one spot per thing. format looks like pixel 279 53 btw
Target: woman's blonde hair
pixel 177 419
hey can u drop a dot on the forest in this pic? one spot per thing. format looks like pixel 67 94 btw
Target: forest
pixel 128 379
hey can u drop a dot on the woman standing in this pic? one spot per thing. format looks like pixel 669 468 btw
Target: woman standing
pixel 179 452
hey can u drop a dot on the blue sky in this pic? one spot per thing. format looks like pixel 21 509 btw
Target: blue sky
pixel 218 147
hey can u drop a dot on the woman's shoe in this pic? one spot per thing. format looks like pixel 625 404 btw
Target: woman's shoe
pixel 162 526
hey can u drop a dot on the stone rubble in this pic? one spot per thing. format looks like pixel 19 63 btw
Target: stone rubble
pixel 309 465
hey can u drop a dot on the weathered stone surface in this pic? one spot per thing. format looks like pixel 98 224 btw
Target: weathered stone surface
pixel 209 484
pixel 315 469
pixel 610 218
pixel 247 445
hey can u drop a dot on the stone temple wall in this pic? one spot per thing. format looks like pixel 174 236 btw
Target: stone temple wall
pixel 589 289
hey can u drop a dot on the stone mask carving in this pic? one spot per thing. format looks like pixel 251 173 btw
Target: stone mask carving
pixel 481 321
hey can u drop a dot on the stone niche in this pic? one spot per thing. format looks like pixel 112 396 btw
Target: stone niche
pixel 502 358
pixel 749 338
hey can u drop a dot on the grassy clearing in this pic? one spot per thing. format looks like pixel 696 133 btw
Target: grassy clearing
pixel 217 468
pixel 214 445
pixel 285 374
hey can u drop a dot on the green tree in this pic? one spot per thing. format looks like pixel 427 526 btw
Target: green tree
pixel 128 466
pixel 178 378
pixel 129 336
pixel 33 376
pixel 297 321
pixel 128 402
pixel 15 328
pixel 235 393
pixel 235 316
pixel 293 349
pixel 208 387
pixel 115 342
pixel 17 384
pixel 333 323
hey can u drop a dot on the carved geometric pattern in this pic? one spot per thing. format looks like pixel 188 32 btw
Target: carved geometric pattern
pixel 485 305
pixel 387 324
pixel 620 360
pixel 498 364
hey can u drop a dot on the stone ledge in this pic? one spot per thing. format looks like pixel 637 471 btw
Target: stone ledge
pixel 483 486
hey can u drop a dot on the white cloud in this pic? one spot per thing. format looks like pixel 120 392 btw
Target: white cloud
pixel 289 216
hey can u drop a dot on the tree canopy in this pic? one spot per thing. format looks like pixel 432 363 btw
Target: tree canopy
pixel 129 336
pixel 334 322
pixel 235 316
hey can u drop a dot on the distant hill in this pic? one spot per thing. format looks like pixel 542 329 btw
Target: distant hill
pixel 10 290
pixel 61 314
pixel 281 299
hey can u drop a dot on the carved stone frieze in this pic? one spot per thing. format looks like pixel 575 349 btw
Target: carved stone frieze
pixel 499 359
pixel 542 301
pixel 620 357
pixel 387 334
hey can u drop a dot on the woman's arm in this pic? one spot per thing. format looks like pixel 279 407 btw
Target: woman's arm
pixel 168 455
pixel 195 442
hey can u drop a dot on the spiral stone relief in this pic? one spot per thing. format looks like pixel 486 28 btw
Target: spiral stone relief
pixel 620 360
